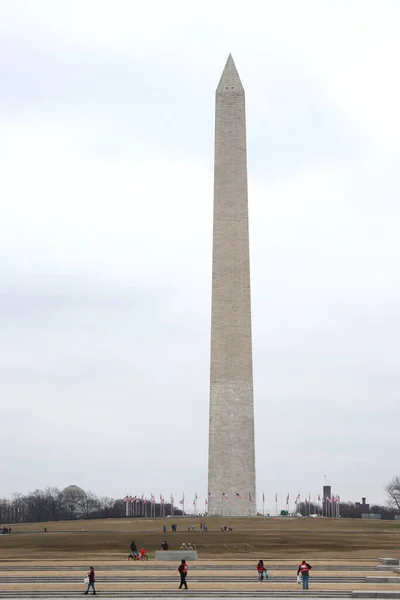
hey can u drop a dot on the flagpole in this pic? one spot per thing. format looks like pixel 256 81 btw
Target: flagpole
pixel 263 505
pixel 222 505
pixel 276 504
pixel 237 510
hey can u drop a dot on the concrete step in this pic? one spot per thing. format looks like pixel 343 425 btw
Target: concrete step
pixel 381 594
pixel 152 566
pixel 192 578
pixel 211 595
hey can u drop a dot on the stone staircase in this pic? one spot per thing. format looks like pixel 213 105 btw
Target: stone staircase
pixel 206 580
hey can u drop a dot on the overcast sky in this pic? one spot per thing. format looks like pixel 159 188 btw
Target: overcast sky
pixel 106 160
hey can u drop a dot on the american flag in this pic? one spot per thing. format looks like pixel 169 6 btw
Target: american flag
pixel 276 497
pixel 153 500
pixel 263 497
pixel 319 498
pixel 250 498
pixel 126 499
pixel 210 495
pixel 297 499
pixel 206 501
pixel 238 495
pixel 287 499
pixel 224 495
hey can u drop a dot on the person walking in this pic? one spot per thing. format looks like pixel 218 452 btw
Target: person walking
pixel 261 570
pixel 92 578
pixel 183 569
pixel 304 570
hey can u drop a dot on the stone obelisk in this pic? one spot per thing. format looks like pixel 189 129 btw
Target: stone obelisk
pixel 231 461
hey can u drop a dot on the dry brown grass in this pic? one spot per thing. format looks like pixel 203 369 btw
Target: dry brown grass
pixel 273 538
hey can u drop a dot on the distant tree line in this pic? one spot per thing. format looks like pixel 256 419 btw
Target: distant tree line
pixel 349 510
pixel 354 510
pixel 51 504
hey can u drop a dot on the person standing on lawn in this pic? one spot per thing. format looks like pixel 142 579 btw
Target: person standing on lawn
pixel 304 570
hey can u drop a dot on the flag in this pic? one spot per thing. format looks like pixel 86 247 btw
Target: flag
pixel 297 498
pixel 205 501
pixel 287 499
pixel 183 499
pixel 319 498
pixel 238 495
pixel 210 495
pixel 276 497
pixel 195 496
pixel 126 499
pixel 250 498
pixel 309 497
pixel 224 495
pixel 145 501
pixel 153 500
pixel 338 498
pixel 263 497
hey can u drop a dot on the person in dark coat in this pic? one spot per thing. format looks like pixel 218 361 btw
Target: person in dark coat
pixel 92 578
pixel 183 569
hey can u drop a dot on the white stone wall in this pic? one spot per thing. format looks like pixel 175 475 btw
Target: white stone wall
pixel 231 433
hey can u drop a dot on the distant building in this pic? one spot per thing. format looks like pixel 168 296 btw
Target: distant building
pixel 362 508
pixel 326 501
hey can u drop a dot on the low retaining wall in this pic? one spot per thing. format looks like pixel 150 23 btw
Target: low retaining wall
pixel 176 555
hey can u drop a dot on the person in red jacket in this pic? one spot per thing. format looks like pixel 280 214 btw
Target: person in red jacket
pixel 304 570
pixel 261 570
pixel 182 570
pixel 92 578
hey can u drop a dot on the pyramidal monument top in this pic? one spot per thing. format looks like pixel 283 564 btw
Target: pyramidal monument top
pixel 230 80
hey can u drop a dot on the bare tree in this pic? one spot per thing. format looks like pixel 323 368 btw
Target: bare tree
pixel 89 504
pixel 392 490
pixel 54 500
pixel 106 505
pixel 72 502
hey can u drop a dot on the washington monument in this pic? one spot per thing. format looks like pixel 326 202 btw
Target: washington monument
pixel 231 459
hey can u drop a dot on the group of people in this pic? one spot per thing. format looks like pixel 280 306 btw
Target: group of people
pixel 303 572
pixel 174 527
pixel 135 553
pixel 226 528
pixel 5 530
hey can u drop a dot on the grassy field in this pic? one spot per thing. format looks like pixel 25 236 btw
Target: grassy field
pixel 275 538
